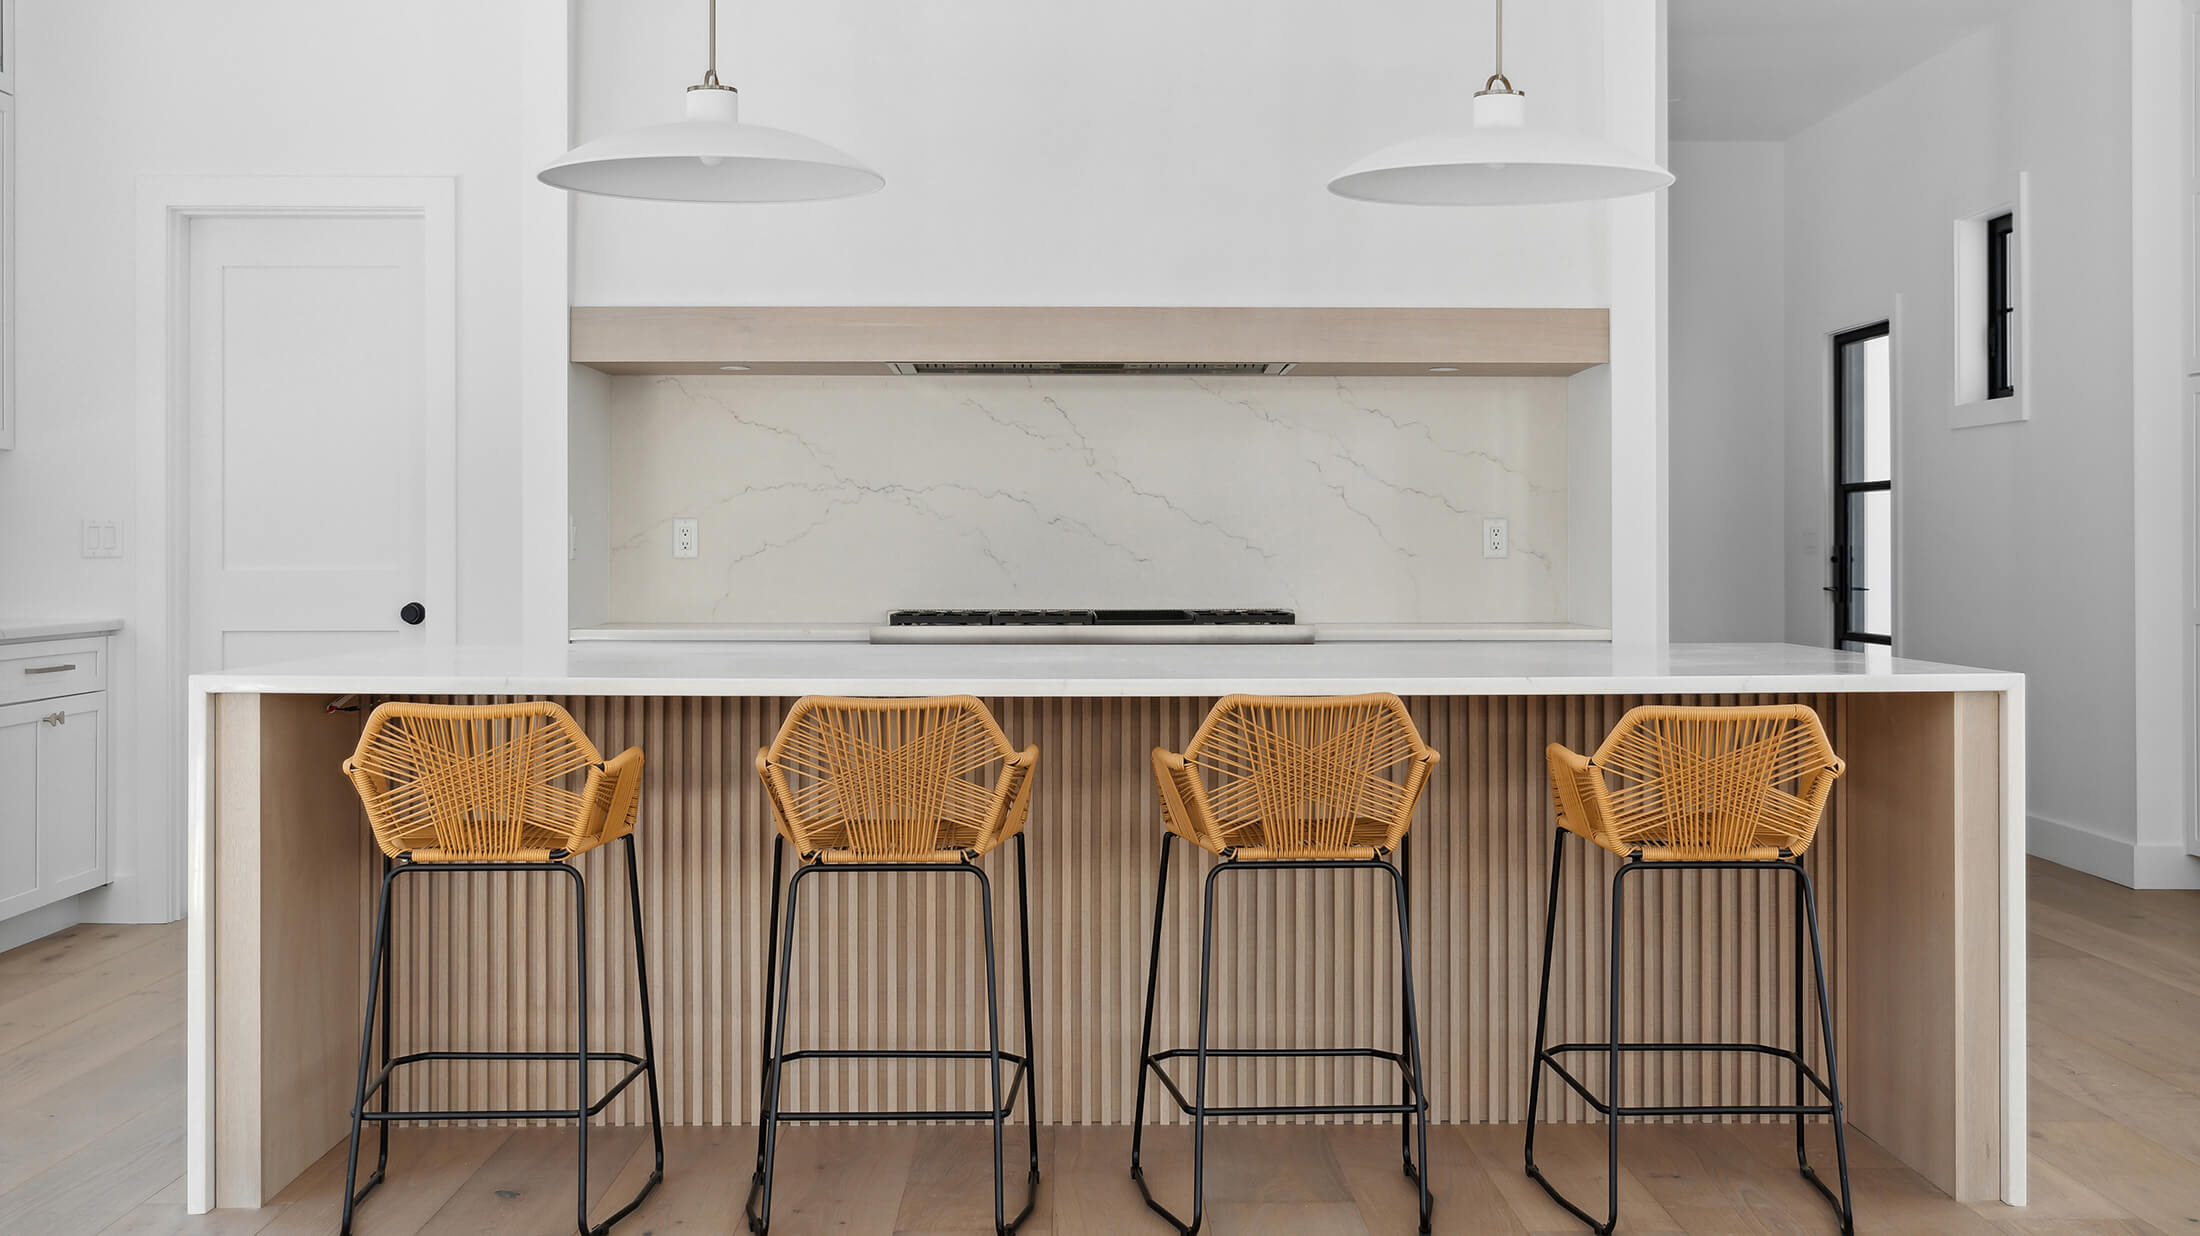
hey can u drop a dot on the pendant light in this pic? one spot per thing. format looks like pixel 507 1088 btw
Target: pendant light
pixel 711 156
pixel 1500 161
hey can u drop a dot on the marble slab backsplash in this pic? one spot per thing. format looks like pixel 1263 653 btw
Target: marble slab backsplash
pixel 837 499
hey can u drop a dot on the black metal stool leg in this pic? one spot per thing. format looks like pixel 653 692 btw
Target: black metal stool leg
pixel 1416 1093
pixel 1543 1000
pixel 1145 1035
pixel 1845 1206
pixel 580 1050
pixel 1199 1085
pixel 649 1046
pixel 993 1045
pixel 760 1220
pixel 377 996
pixel 771 964
pixel 1802 1092
pixel 389 1005
pixel 1405 1014
pixel 1031 1067
pixel 1611 1073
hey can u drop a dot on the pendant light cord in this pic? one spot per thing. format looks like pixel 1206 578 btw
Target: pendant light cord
pixel 1490 86
pixel 710 75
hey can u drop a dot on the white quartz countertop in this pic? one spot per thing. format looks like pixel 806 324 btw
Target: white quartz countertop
pixel 1407 668
pixel 16 631
pixel 857 632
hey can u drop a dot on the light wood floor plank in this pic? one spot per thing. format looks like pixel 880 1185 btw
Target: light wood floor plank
pixel 427 1168
pixel 525 1185
pixel 51 1125
pixel 96 1186
pixel 84 1047
pixel 73 995
pixel 78 948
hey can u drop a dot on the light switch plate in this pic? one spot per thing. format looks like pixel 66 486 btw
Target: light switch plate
pixel 102 538
pixel 683 538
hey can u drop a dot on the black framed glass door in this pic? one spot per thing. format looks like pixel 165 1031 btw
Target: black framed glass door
pixel 1863 487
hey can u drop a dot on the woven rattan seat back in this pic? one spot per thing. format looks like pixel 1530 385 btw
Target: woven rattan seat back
pixel 1704 783
pixel 1283 777
pixel 897 780
pixel 489 783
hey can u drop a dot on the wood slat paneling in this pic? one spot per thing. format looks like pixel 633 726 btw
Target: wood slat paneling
pixel 1302 958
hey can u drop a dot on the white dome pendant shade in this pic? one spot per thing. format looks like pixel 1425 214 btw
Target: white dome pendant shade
pixel 711 156
pixel 1502 161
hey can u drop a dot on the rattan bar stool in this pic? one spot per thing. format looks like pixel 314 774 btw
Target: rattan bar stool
pixel 904 785
pixel 513 788
pixel 1276 784
pixel 1696 789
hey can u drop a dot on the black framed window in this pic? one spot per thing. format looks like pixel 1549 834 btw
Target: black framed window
pixel 1863 487
pixel 2001 308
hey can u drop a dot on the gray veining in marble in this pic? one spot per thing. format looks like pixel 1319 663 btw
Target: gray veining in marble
pixel 837 499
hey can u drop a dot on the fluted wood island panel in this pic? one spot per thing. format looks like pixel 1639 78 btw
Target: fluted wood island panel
pixel 1907 875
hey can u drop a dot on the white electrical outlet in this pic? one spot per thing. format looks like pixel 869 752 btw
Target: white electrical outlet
pixel 683 538
pixel 102 538
pixel 1496 542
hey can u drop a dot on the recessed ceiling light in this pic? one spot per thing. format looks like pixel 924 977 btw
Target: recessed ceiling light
pixel 733 368
pixel 1443 368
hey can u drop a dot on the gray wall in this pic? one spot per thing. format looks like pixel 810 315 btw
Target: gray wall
pixel 1726 419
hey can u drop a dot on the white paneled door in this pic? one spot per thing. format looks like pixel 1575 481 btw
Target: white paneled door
pixel 306 477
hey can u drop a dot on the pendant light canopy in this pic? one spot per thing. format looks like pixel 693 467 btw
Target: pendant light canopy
pixel 1501 161
pixel 711 156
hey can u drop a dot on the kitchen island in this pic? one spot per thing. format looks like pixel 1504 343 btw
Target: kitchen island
pixel 1919 872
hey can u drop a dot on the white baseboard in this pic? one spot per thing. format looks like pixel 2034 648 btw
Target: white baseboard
pixel 2153 864
pixel 41 922
pixel 2164 864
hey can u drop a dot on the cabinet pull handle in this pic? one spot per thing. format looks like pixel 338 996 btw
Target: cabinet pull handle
pixel 50 669
pixel 56 718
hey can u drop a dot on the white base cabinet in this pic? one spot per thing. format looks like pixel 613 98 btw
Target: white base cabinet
pixel 53 776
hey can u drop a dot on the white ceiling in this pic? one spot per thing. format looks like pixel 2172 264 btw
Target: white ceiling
pixel 1768 69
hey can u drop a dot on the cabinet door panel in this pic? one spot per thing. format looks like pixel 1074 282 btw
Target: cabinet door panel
pixel 19 726
pixel 70 848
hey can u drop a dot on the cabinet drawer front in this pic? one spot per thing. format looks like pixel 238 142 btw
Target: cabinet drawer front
pixel 46 671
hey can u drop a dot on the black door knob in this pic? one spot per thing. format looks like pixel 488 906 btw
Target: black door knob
pixel 414 613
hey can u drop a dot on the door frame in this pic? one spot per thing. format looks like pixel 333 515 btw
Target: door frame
pixel 149 776
pixel 1843 488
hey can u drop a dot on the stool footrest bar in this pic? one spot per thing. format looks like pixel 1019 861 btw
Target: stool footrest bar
pixel 1189 1108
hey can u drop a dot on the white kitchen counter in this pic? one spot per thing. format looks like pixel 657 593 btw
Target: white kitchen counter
pixel 1308 633
pixel 1408 668
pixel 18 631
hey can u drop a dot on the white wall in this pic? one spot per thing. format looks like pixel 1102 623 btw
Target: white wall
pixel 1140 152
pixel 248 87
pixel 2165 392
pixel 1728 418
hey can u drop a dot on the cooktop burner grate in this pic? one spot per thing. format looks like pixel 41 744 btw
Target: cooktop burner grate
pixel 1090 617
